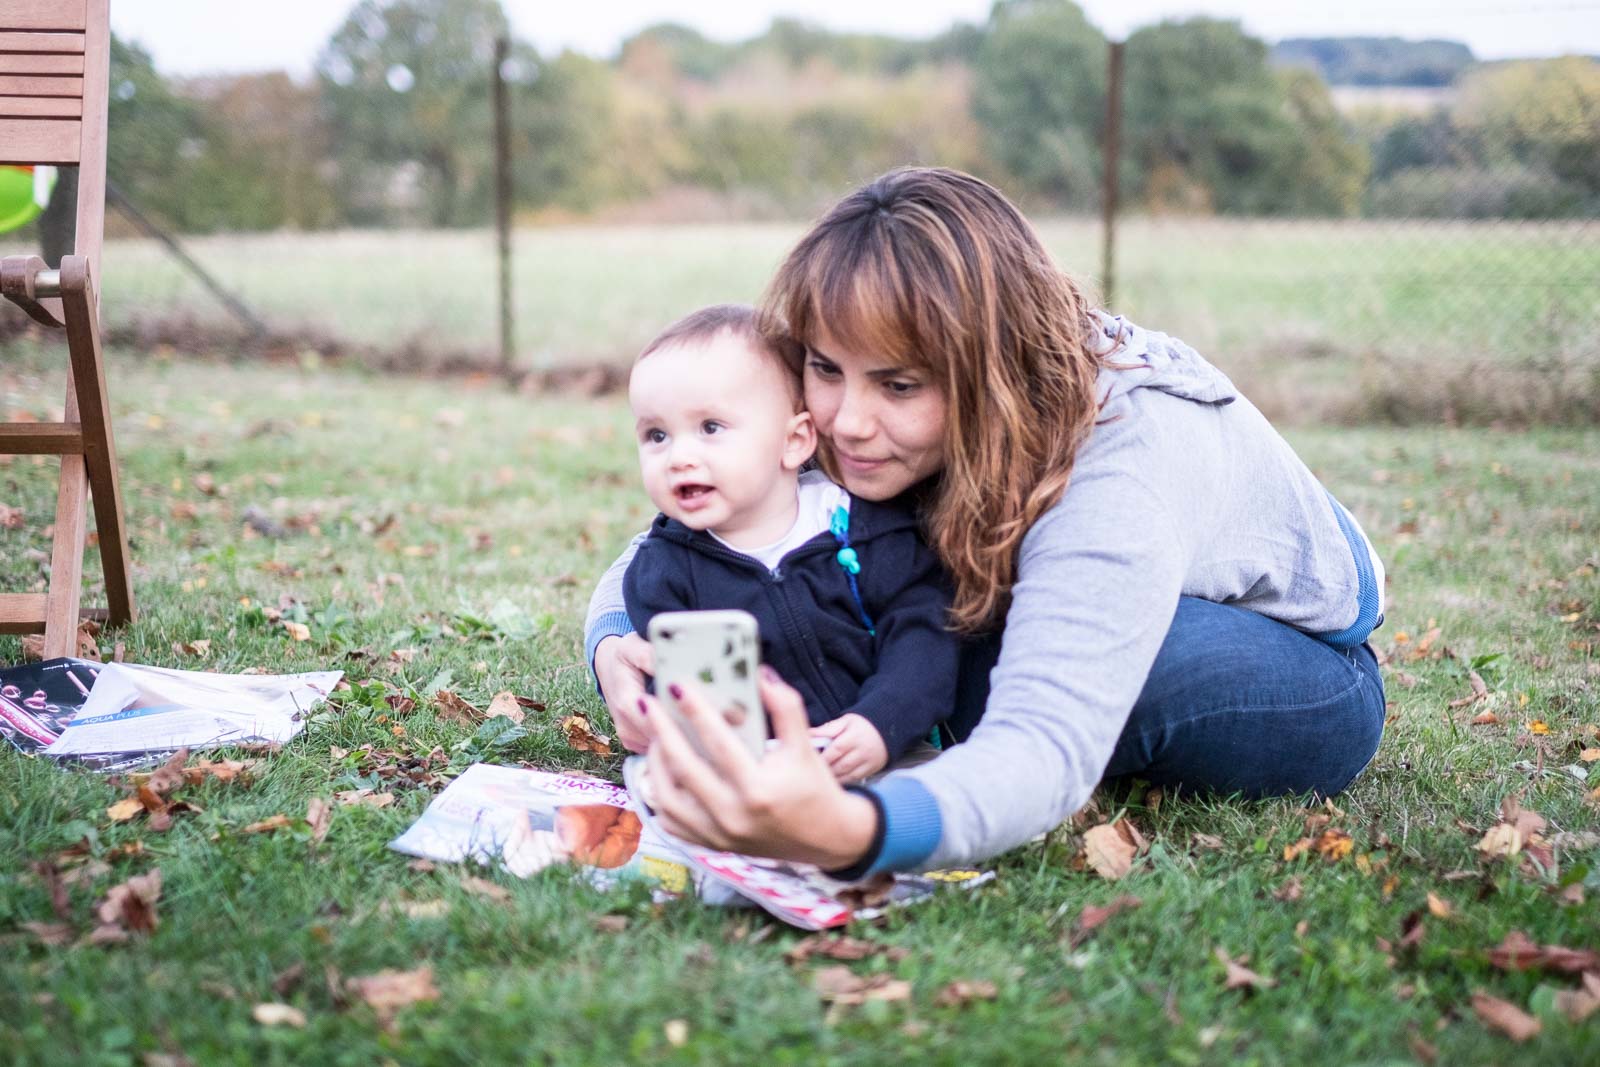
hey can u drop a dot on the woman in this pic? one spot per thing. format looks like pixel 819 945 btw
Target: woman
pixel 1176 595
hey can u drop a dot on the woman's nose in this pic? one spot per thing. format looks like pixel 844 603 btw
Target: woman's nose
pixel 854 418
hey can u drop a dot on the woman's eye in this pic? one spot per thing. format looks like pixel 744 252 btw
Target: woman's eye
pixel 711 426
pixel 822 368
pixel 899 388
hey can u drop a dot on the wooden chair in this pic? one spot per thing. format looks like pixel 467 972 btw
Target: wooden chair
pixel 54 60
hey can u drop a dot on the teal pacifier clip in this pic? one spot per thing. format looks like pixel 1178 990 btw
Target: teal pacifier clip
pixel 847 559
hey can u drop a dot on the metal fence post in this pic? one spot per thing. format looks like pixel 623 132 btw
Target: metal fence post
pixel 502 199
pixel 1108 199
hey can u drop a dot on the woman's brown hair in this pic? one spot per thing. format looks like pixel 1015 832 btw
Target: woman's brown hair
pixel 935 269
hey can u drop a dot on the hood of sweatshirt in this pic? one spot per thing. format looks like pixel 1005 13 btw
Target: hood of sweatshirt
pixel 1158 362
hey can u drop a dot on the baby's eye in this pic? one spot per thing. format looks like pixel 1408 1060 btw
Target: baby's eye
pixel 711 426
pixel 654 436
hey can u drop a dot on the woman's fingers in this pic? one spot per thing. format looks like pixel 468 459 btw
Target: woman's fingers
pixel 786 708
pixel 722 746
pixel 685 786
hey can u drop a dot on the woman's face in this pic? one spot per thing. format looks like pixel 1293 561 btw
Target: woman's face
pixel 885 423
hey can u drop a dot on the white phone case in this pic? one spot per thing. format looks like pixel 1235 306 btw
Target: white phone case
pixel 718 652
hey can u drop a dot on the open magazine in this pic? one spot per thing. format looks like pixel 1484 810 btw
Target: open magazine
pixel 116 715
pixel 526 820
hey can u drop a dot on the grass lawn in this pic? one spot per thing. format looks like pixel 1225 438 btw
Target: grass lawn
pixel 414 509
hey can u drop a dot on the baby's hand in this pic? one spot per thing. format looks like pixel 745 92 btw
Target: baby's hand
pixel 855 748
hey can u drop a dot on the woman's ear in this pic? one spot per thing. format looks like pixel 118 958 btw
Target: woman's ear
pixel 800 441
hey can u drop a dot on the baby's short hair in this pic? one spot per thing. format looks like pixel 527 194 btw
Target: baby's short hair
pixel 745 323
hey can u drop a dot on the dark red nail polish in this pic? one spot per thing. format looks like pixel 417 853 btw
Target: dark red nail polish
pixel 676 690
pixel 644 709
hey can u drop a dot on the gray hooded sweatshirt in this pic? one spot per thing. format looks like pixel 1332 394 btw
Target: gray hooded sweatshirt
pixel 1181 489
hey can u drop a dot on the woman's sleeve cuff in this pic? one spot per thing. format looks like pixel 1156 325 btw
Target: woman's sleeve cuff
pixel 909 828
pixel 611 624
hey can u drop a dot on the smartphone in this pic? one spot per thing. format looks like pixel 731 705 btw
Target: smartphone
pixel 718 653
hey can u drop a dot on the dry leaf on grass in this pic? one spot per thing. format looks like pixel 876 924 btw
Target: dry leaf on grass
pixel 840 985
pixel 1480 691
pixel 506 703
pixel 963 991
pixel 387 991
pixel 1110 848
pixel 1506 1017
pixel 582 736
pixel 423 909
pixel 364 797
pixel 270 824
pixel 485 888
pixel 297 630
pixel 318 815
pixel 124 809
pixel 1091 918
pixel 1290 890
pixel 1578 1004
pixel 610 924
pixel 129 908
pixel 278 1015
pixel 841 947
pixel 1439 908
pixel 1520 953
pixel 451 708
pixel 48 933
pixel 1238 976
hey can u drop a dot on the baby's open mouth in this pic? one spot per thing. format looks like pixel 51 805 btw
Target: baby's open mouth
pixel 691 492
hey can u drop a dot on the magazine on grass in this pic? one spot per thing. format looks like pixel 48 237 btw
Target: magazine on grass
pixel 526 820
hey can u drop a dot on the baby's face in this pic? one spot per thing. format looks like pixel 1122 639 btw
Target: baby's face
pixel 715 427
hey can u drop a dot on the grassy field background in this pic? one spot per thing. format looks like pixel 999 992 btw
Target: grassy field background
pixel 468 523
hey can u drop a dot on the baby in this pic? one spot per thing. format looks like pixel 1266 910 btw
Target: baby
pixel 850 603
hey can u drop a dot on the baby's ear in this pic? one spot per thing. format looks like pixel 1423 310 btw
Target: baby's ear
pixel 800 442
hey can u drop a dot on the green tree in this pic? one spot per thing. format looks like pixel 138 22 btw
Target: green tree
pixel 1543 114
pixel 1208 125
pixel 1039 93
pixel 406 83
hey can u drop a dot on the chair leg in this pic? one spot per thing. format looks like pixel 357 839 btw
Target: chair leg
pixel 99 449
pixel 66 561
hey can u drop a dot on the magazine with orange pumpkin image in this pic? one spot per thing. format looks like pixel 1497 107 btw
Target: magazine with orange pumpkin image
pixel 716 652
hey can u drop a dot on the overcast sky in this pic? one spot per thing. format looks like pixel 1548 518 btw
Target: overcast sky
pixel 204 36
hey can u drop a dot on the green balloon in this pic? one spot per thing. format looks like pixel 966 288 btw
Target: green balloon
pixel 22 197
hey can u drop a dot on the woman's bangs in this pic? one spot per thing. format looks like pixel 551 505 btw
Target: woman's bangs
pixel 864 306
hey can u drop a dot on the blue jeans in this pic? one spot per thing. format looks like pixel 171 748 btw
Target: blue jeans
pixel 1237 703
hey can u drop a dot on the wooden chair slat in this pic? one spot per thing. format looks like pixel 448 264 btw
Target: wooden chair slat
pixel 39 85
pixel 41 438
pixel 41 107
pixel 44 15
pixel 52 141
pixel 21 613
pixel 41 63
pixel 42 43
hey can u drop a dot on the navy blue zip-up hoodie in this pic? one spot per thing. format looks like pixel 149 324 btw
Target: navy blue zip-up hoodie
pixel 903 680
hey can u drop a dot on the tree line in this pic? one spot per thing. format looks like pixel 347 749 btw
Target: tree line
pixel 394 128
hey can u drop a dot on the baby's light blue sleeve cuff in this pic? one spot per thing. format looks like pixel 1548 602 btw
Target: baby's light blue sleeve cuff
pixel 610 624
pixel 912 825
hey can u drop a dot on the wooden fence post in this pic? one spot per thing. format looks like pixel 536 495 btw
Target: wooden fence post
pixel 502 201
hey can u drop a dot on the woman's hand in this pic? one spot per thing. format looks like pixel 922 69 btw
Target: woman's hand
pixel 620 665
pixel 784 804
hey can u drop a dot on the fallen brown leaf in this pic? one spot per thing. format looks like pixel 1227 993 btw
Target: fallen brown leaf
pixel 1334 844
pixel 451 708
pixel 318 815
pixel 963 991
pixel 364 797
pixel 610 924
pixel 1485 718
pixel 485 888
pixel 1091 918
pixel 387 991
pixel 297 630
pixel 840 985
pixel 840 947
pixel 582 736
pixel 130 907
pixel 1506 1017
pixel 1206 841
pixel 1480 691
pixel 192 648
pixel 278 1015
pixel 124 809
pixel 1238 976
pixel 1439 908
pixel 1289 891
pixel 49 933
pixel 1109 848
pixel 1578 1004
pixel 268 825
pixel 1519 953
pixel 506 703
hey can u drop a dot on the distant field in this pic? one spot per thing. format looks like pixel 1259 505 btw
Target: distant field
pixel 1299 310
